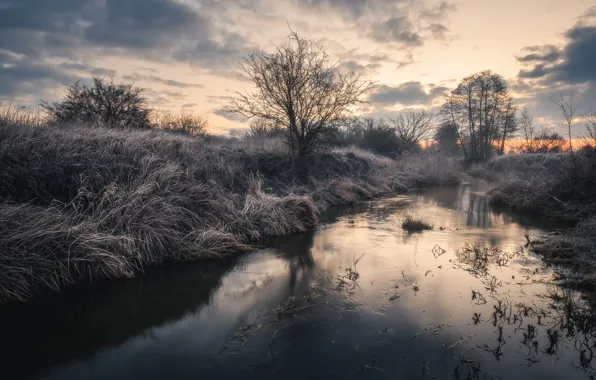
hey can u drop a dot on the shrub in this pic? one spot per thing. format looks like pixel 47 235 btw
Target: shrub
pixel 105 103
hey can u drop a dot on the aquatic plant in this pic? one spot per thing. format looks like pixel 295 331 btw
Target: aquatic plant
pixel 412 224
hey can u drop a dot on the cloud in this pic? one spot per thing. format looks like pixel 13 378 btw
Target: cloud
pixel 42 32
pixel 439 31
pixel 156 79
pixel 568 69
pixel 95 71
pixel 439 11
pixel 359 68
pixel 230 116
pixel 572 64
pixel 397 29
pixel 353 8
pixel 546 53
pixel 409 93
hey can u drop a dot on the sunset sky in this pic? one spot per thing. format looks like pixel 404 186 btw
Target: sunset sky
pixel 186 53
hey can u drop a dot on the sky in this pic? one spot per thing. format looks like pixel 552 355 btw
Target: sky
pixel 187 53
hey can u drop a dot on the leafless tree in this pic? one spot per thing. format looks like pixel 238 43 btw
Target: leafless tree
pixel 298 87
pixel 105 103
pixel 526 124
pixel 260 128
pixel 483 112
pixel 412 127
pixel 591 129
pixel 569 113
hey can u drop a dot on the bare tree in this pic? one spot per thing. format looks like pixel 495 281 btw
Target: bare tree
pixel 105 103
pixel 298 87
pixel 183 122
pixel 526 124
pixel 412 127
pixel 569 113
pixel 260 128
pixel 509 123
pixel 591 129
pixel 483 111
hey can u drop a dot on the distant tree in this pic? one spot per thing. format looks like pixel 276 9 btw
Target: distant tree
pixel 299 88
pixel 483 112
pixel 569 113
pixel 376 135
pixel 447 138
pixel 105 103
pixel 591 129
pixel 528 130
pixel 412 127
pixel 263 128
pixel 184 122
pixel 509 123
pixel 547 141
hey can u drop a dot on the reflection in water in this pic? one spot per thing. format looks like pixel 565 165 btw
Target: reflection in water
pixel 281 312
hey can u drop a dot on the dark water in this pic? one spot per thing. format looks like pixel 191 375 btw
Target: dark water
pixel 415 306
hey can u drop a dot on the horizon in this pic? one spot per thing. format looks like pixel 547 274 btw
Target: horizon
pixel 186 54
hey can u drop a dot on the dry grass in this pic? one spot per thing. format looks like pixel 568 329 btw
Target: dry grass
pixel 80 204
pixel 412 224
pixel 544 184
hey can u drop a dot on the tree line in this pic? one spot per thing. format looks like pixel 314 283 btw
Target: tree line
pixel 307 100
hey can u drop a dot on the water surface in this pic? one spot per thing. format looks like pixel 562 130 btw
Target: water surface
pixel 358 298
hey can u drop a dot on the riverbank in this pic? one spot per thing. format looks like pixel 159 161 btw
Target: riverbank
pixel 553 187
pixel 80 204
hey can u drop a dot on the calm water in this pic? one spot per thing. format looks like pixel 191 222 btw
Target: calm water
pixel 415 306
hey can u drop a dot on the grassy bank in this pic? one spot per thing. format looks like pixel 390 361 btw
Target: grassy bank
pixel 80 204
pixel 545 185
pixel 552 187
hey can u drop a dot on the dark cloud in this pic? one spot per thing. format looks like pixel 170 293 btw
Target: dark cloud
pixel 357 67
pixel 546 53
pixel 189 105
pixel 439 11
pixel 353 8
pixel 550 71
pixel 143 23
pixel 156 79
pixel 95 71
pixel 439 31
pixel 24 77
pixel 410 93
pixel 397 29
pixel 230 116
pixel 572 64
pixel 41 32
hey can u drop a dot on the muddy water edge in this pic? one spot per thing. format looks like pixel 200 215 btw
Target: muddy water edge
pixel 358 298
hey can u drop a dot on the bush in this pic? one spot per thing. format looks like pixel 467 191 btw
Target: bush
pixel 105 103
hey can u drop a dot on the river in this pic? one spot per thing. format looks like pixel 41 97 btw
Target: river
pixel 357 298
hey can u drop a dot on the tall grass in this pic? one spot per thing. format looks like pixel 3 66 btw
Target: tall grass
pixel 80 204
pixel 545 185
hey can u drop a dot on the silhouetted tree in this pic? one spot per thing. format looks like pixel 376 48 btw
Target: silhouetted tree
pixel 569 113
pixel 412 127
pixel 483 113
pixel 262 128
pixel 299 88
pixel 186 123
pixel 447 138
pixel 105 103
pixel 591 129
